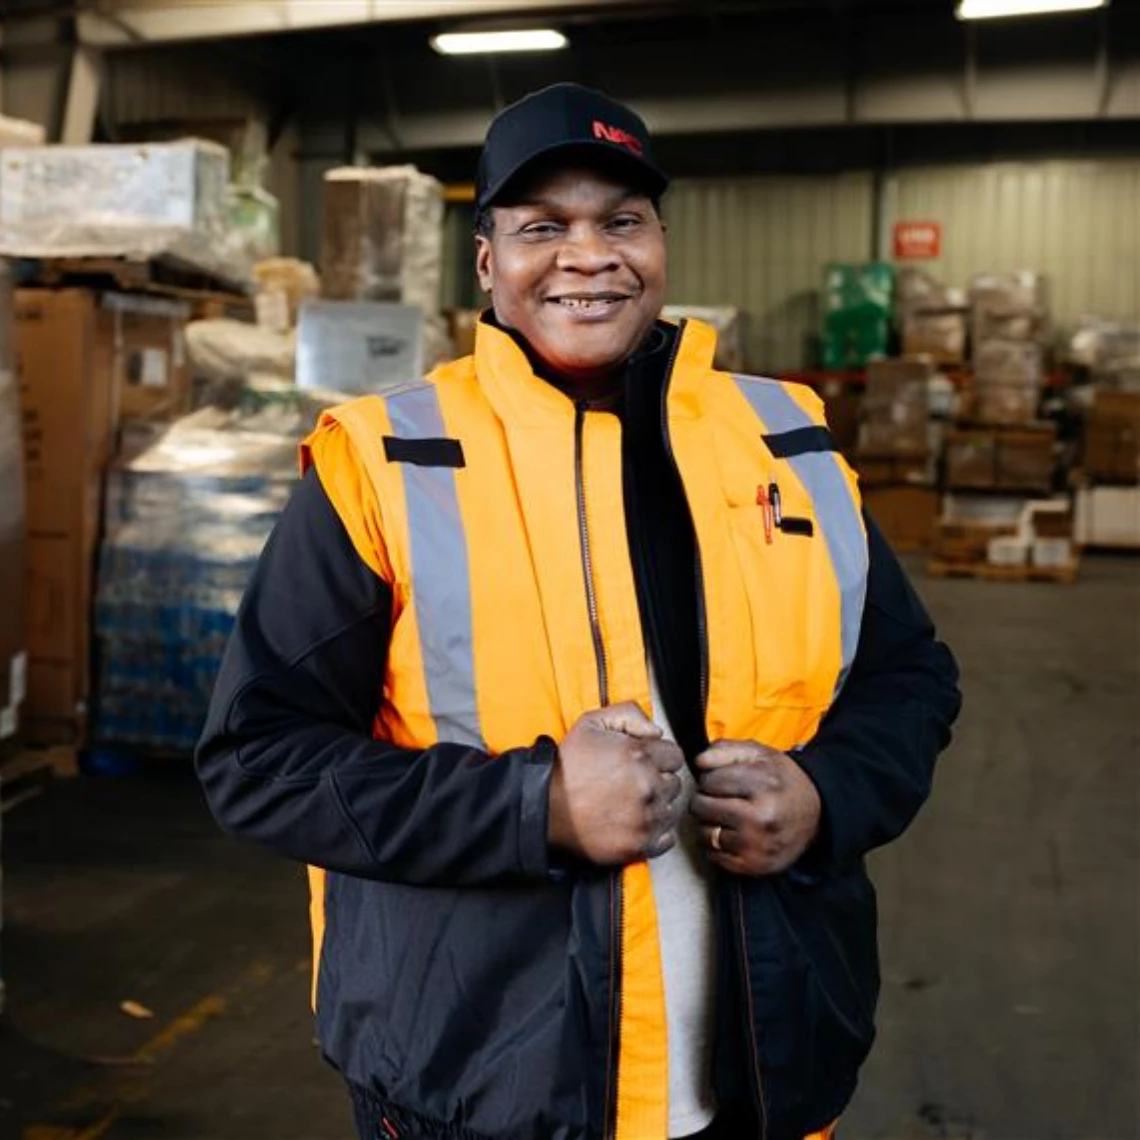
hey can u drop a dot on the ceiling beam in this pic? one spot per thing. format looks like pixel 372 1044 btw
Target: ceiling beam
pixel 116 23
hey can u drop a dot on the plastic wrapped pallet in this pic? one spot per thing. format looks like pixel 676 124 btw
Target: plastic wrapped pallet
pixel 13 662
pixel 1010 376
pixel 185 522
pixel 895 409
pixel 382 236
pixel 137 201
pixel 1109 351
pixel 255 223
pixel 857 309
pixel 1012 306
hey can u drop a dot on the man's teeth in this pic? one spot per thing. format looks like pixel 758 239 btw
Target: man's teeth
pixel 587 302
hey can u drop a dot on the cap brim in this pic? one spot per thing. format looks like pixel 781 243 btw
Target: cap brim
pixel 644 174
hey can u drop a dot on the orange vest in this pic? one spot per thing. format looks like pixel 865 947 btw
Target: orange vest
pixel 493 508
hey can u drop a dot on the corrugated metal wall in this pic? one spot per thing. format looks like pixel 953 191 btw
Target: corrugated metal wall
pixel 458 287
pixel 761 244
pixel 1076 222
pixel 179 83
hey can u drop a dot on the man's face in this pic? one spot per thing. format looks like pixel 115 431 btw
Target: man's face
pixel 577 267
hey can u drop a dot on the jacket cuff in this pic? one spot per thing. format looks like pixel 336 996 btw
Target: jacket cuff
pixel 819 860
pixel 534 858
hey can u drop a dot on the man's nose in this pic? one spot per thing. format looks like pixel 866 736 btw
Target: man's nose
pixel 585 249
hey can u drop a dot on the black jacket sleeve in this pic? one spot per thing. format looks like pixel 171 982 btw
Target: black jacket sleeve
pixel 287 756
pixel 872 760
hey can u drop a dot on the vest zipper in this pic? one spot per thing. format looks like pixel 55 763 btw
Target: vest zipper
pixel 581 407
pixel 702 616
pixel 755 1083
pixel 617 908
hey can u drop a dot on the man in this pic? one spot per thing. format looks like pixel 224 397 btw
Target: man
pixel 577 672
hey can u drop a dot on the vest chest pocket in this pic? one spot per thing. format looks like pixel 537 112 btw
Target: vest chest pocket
pixel 791 590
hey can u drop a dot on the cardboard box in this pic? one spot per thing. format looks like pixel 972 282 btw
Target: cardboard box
pixel 964 541
pixel 382 236
pixel 78 356
pixel 1005 403
pixel 139 340
pixel 893 467
pixel 68 407
pixel 1110 452
pixel 729 323
pixel 905 515
pixel 941 336
pixel 1010 306
pixel 283 284
pixel 1111 443
pixel 1000 459
pixel 359 346
pixel 461 325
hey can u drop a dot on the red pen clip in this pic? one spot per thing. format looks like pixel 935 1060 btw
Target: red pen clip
pixel 764 501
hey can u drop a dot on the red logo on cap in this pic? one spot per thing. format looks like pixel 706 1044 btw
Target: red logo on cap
pixel 617 135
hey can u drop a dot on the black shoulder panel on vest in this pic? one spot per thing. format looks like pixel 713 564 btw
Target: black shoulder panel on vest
pixel 802 441
pixel 424 452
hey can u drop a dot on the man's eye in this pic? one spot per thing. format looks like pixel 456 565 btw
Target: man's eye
pixel 625 222
pixel 540 229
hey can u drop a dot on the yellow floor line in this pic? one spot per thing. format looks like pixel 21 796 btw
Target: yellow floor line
pixel 126 1088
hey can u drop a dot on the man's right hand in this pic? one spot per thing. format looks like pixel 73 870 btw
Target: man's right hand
pixel 614 790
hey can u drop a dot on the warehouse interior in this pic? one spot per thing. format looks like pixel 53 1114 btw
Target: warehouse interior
pixel 218 217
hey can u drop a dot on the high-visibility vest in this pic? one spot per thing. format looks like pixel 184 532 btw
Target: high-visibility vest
pixel 493 507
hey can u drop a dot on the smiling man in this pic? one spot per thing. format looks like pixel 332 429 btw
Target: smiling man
pixel 581 682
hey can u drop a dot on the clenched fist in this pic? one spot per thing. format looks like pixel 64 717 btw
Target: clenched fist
pixel 759 811
pixel 614 790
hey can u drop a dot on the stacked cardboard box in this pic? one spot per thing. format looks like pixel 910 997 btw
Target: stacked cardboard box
pixel 13 659
pixel 932 318
pixel 1111 447
pixel 731 332
pixel 893 455
pixel 1010 334
pixel 1001 459
pixel 86 361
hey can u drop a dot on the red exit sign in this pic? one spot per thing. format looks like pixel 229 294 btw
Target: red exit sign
pixel 915 240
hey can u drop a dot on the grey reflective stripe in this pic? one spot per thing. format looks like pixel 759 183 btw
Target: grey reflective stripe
pixel 835 508
pixel 441 582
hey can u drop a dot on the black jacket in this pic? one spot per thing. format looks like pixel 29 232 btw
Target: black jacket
pixel 287 758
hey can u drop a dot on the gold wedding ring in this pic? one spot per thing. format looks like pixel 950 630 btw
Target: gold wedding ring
pixel 714 838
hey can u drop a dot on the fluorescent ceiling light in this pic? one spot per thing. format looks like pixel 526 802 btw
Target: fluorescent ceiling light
pixel 478 43
pixel 995 9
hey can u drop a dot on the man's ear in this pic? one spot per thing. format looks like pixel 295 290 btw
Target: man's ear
pixel 484 262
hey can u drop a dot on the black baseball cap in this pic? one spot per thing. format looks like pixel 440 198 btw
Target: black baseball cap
pixel 565 117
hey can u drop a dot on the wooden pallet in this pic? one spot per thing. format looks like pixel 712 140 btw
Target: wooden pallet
pixel 32 771
pixel 161 276
pixel 987 572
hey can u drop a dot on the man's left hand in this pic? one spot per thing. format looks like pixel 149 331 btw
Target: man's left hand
pixel 758 810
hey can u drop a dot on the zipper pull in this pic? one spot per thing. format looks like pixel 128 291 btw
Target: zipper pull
pixel 765 503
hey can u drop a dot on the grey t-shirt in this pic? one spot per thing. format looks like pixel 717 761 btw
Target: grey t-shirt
pixel 682 890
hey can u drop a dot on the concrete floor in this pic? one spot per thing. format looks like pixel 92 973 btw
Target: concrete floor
pixel 1009 920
